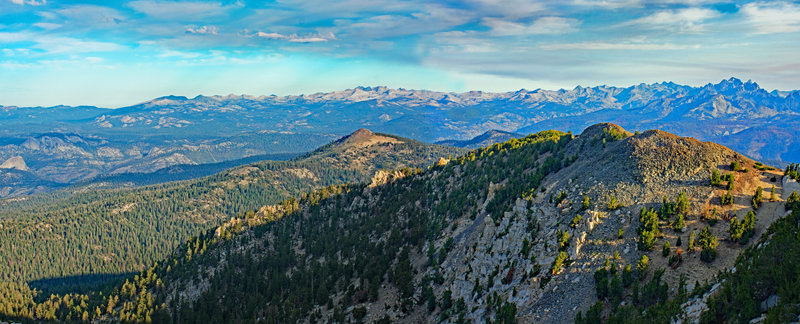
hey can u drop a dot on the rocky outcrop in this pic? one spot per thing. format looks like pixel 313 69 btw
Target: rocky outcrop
pixel 639 170
pixel 382 177
pixel 789 185
pixel 16 163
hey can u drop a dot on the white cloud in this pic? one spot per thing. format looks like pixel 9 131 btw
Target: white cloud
pixel 544 25
pixel 58 44
pixel 618 4
pixel 16 52
pixel 29 2
pixel 691 2
pixel 308 39
pixel 609 4
pixel 68 45
pixel 511 9
pixel 47 26
pixel 270 35
pixel 772 17
pixel 294 38
pixel 616 46
pixel 430 19
pixel 87 15
pixel 179 54
pixel 13 37
pixel 313 9
pixel 202 30
pixel 463 42
pixel 688 20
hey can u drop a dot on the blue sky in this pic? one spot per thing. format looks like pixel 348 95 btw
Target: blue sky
pixel 118 53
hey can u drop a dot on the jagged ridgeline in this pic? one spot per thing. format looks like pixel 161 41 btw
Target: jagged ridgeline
pixel 85 236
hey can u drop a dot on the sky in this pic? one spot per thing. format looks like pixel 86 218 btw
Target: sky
pixel 119 53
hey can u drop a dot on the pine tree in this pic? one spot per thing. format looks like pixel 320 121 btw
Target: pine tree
pixel 716 179
pixel 681 204
pixel 735 230
pixel 758 197
pixel 735 166
pixel 642 265
pixel 772 196
pixel 678 224
pixel 648 229
pixel 708 243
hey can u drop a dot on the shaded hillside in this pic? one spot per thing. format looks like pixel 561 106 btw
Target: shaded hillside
pixel 485 139
pixel 183 171
pixel 85 230
pixel 547 228
pixel 14 182
pixel 54 160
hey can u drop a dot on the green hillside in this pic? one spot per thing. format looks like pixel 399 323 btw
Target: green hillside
pixel 66 239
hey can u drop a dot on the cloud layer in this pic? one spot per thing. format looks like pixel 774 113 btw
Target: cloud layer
pixel 773 17
pixel 454 44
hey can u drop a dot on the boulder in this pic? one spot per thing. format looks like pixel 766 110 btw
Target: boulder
pixel 770 302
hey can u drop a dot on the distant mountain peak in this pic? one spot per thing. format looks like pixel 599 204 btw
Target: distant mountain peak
pixel 176 98
pixel 373 89
pixel 363 137
pixel 360 133
pixel 169 100
pixel 733 80
pixel 602 129
pixel 734 84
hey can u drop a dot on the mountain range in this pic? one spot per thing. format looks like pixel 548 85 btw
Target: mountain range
pixel 70 144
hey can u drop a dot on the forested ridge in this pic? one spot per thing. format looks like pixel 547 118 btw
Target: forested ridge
pixel 340 245
pixel 72 239
pixel 352 239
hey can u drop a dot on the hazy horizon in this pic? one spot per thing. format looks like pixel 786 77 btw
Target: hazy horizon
pixel 375 86
pixel 117 54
